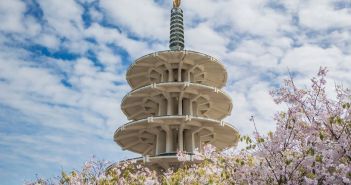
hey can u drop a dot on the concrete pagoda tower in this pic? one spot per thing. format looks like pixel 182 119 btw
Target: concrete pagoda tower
pixel 176 102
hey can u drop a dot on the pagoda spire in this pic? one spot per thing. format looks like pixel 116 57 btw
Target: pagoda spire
pixel 176 41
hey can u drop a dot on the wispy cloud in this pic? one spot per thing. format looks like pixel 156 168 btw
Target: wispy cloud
pixel 63 65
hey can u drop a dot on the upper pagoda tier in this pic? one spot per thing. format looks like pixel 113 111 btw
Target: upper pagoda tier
pixel 176 66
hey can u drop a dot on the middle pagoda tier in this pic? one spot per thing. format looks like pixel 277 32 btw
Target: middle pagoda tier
pixel 176 104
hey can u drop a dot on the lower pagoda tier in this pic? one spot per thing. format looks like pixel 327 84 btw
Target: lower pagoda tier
pixel 164 135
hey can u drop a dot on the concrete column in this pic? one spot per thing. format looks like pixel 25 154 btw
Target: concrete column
pixel 186 106
pixel 174 106
pixel 180 137
pixel 170 76
pixel 162 107
pixel 194 108
pixel 169 141
pixel 163 76
pixel 180 104
pixel 188 140
pixel 197 143
pixel 188 76
pixel 180 72
pixel 184 75
pixel 193 142
pixel 169 105
pixel 169 138
pixel 161 142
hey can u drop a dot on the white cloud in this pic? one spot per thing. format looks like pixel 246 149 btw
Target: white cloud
pixel 49 41
pixel 11 15
pixel 144 18
pixel 111 61
pixel 307 59
pixel 204 38
pixel 64 18
pixel 105 35
pixel 95 15
pixel 321 14
pixel 202 9
pixel 252 17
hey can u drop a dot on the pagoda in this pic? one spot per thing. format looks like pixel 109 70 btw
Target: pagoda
pixel 176 103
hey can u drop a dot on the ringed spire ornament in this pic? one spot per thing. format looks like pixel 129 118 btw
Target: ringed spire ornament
pixel 176 41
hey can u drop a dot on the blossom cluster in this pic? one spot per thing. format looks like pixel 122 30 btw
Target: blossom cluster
pixel 311 145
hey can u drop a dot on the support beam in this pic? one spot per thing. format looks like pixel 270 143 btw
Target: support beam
pixel 225 112
pixel 195 98
pixel 141 64
pixel 148 149
pixel 124 136
pixel 208 138
pixel 131 105
pixel 131 144
pixel 138 95
pixel 136 114
pixel 146 136
pixel 137 75
pixel 192 68
pixel 199 74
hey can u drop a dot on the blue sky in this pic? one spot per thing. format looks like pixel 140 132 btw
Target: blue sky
pixel 63 65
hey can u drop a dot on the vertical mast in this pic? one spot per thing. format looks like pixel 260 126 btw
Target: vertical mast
pixel 176 41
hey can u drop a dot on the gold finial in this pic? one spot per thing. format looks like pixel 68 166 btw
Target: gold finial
pixel 176 3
